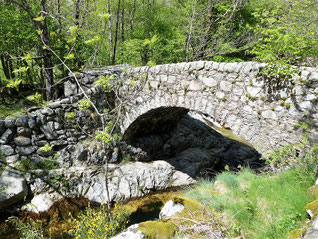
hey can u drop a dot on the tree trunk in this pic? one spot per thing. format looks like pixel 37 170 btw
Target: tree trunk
pixel 7 66
pixel 116 33
pixel 132 16
pixel 123 22
pixel 110 36
pixel 43 39
pixel 190 30
pixel 207 36
pixel 47 56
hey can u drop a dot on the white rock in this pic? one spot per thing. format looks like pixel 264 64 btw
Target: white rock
pixel 253 91
pixel 195 85
pixel 314 76
pixel 269 114
pixel 225 86
pixel 305 105
pixel 13 188
pixel 131 232
pixel 208 81
pixel 220 95
pixel 170 209
pixel 42 202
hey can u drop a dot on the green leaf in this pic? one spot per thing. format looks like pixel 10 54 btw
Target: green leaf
pixel 69 56
pixel 39 18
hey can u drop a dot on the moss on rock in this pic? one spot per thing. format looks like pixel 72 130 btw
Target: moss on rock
pixel 313 207
pixel 313 192
pixel 297 233
pixel 158 229
pixel 147 203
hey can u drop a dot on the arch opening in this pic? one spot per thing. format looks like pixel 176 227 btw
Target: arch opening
pixel 183 138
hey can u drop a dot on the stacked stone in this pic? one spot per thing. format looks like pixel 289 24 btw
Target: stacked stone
pixel 87 78
pixel 234 94
pixel 24 135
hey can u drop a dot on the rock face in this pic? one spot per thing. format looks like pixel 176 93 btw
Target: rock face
pixel 13 188
pixel 125 181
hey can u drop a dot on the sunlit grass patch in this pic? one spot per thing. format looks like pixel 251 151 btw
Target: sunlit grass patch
pixel 14 110
pixel 258 205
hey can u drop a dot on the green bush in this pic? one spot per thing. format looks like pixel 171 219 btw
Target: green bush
pixel 32 230
pixel 99 223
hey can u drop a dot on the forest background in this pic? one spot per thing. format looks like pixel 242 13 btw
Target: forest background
pixel 41 40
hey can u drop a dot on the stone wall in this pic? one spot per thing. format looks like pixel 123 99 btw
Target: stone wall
pixel 232 93
pixel 59 124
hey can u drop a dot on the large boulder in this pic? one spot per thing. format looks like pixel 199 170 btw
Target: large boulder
pixel 130 180
pixel 135 179
pixel 13 188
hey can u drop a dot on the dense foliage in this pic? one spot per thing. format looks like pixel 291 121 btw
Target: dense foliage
pixel 40 38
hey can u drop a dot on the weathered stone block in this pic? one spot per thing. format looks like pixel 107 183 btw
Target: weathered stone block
pixel 195 86
pixel 47 111
pixel 22 131
pixel 15 188
pixel 220 95
pixel 48 131
pixel 253 91
pixel 6 136
pixel 225 86
pixel 9 122
pixel 22 121
pixel 6 150
pixel 12 158
pixel 25 151
pixel 209 81
pixel 269 114
pixel 22 141
pixel 32 124
pixel 230 67
pixel 305 106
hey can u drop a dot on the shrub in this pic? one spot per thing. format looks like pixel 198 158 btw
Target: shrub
pixel 32 230
pixel 99 223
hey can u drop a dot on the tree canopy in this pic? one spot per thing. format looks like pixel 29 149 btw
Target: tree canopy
pixel 40 37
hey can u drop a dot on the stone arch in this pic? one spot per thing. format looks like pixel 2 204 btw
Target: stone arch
pixel 180 136
pixel 225 113
pixel 141 105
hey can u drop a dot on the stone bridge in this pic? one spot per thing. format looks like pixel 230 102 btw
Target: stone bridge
pixel 234 96
pixel 168 113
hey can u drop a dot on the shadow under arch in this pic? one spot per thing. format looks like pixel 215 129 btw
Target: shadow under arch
pixel 182 138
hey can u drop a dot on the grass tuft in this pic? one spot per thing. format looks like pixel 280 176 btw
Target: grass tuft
pixel 258 205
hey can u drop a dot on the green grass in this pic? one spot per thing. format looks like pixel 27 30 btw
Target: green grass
pixel 14 110
pixel 258 205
